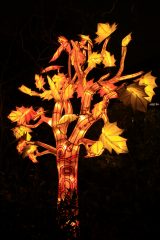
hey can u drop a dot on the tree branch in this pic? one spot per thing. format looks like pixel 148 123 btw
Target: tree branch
pixel 49 148
pixel 34 125
pixel 83 124
pixel 38 154
pixel 86 141
pixel 68 110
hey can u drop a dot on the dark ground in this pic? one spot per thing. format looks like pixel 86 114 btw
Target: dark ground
pixel 119 195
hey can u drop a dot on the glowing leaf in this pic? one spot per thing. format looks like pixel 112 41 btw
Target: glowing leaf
pixel 29 151
pixel 39 113
pixel 98 109
pixel 67 118
pixel 79 89
pixel 57 53
pixel 148 80
pixel 39 81
pixel 134 95
pixel 104 30
pixel 50 68
pixel 46 95
pixel 25 90
pixel 77 56
pixel 62 40
pixel 86 38
pixel 68 92
pixel 108 59
pixel 96 149
pixel 53 88
pixel 126 40
pixel 94 58
pixel 59 80
pixel 64 46
pixel 21 145
pixel 21 131
pixel 22 115
pixel 111 139
pixel 32 157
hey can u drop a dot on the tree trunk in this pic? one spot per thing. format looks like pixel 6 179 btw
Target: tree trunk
pixel 67 204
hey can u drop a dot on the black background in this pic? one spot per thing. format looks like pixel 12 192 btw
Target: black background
pixel 119 195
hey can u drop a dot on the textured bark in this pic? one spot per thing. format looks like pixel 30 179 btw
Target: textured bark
pixel 67 165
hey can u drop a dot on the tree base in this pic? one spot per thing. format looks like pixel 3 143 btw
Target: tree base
pixel 67 215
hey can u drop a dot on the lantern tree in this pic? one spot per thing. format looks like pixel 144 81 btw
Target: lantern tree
pixel 77 79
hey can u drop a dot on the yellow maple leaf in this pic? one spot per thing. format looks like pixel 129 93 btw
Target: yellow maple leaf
pixel 21 145
pixel 96 149
pixel 126 40
pixel 59 80
pixel 21 131
pixel 39 81
pixel 25 90
pixel 29 151
pixel 134 95
pixel 148 80
pixel 67 118
pixel 111 139
pixel 68 92
pixel 94 58
pixel 104 30
pixel 14 116
pixel 46 95
pixel 108 59
pixel 53 88
pixel 22 115
pixel 98 109
pixel 86 38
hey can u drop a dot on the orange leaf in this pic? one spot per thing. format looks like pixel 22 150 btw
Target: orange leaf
pixel 134 95
pixel 39 81
pixel 57 53
pixel 46 95
pixel 53 88
pixel 126 40
pixel 29 151
pixel 32 157
pixel 85 39
pixel 21 145
pixel 94 58
pixel 108 59
pixel 50 68
pixel 26 90
pixel 79 90
pixel 59 80
pixel 20 131
pixel 64 46
pixel 22 115
pixel 104 30
pixel 68 92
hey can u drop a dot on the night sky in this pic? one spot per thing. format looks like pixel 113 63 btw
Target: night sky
pixel 28 38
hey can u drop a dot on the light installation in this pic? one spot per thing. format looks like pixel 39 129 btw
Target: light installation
pixel 60 87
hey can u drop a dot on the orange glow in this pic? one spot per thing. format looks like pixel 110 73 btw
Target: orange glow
pixel 60 86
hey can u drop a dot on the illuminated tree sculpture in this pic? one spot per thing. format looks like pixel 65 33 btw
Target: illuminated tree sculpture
pixel 77 81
